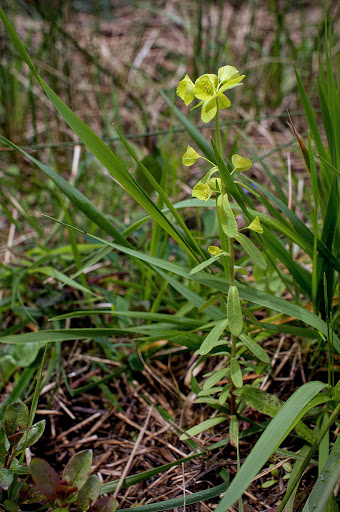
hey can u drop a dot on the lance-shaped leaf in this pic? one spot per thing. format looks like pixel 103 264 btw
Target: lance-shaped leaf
pixel 16 417
pixel 255 348
pixel 213 337
pixel 78 468
pixel 226 216
pixel 208 262
pixel 235 319
pixel 6 478
pixel 252 251
pixel 31 436
pixel 45 478
pixel 89 493
pixel 235 373
pixel 215 378
pixel 202 427
pixel 234 429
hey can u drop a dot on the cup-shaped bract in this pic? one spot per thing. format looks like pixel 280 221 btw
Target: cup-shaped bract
pixel 240 163
pixel 185 90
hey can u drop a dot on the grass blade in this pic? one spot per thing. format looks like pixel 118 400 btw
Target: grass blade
pixel 275 433
pixel 323 489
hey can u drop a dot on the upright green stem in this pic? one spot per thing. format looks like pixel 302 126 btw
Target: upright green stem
pixel 233 338
pixel 231 259
pixel 232 262
pixel 218 135
pixel 232 283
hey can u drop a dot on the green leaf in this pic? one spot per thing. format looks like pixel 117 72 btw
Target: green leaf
pixel 310 117
pixel 25 354
pixel 190 241
pixel 11 506
pixel 89 493
pixel 255 348
pixel 235 318
pixel 260 400
pixel 78 468
pixel 31 436
pixel 272 437
pixel 6 478
pixel 226 216
pixel 270 404
pixel 212 338
pixel 215 378
pixel 44 477
pixel 16 417
pixel 325 484
pixel 235 372
pixel 234 429
pixel 251 250
pixel 331 167
pixel 196 497
pixel 202 427
pixel 59 276
pixel 8 366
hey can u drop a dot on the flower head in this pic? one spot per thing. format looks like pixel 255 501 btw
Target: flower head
pixel 210 88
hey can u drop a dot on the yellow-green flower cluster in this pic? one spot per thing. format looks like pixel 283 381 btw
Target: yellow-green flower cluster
pixel 210 88
pixel 208 184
